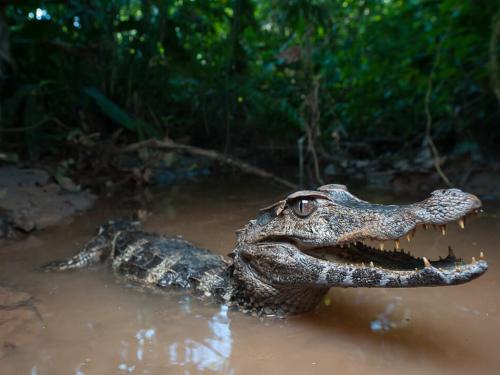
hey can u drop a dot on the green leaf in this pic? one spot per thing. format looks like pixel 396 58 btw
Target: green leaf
pixel 142 128
pixel 110 109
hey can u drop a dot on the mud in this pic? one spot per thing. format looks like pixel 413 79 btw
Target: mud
pixel 30 199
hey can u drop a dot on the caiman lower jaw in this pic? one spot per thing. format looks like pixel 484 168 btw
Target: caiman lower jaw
pixel 360 255
pixel 365 266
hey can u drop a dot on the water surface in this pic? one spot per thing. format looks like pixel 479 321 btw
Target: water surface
pixel 89 323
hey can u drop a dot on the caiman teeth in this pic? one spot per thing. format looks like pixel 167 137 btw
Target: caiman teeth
pixel 348 252
pixel 442 227
pixel 461 223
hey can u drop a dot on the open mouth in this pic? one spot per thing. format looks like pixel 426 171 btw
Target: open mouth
pixel 400 264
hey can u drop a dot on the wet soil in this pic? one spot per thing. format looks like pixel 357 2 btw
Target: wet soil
pixel 90 323
pixel 30 199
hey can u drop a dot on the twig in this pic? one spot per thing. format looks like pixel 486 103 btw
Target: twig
pixel 428 127
pixel 35 125
pixel 20 130
pixel 311 116
pixel 168 144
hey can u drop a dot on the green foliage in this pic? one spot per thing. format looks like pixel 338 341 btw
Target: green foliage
pixel 236 73
pixel 119 116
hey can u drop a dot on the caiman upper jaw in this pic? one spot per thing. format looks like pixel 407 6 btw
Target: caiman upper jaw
pixel 394 222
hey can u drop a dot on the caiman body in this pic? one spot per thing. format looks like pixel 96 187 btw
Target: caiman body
pixel 286 260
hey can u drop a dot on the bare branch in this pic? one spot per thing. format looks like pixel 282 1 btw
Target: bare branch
pixel 168 144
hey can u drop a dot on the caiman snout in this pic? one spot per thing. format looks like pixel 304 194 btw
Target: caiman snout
pixel 367 221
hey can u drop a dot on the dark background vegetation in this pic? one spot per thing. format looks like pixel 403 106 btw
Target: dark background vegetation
pixel 373 80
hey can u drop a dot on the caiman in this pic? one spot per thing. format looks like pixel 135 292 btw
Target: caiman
pixel 286 260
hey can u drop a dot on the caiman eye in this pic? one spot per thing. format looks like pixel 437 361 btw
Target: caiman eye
pixel 304 207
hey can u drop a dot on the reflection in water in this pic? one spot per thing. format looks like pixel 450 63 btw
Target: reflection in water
pixel 391 318
pixel 214 353
pixel 143 336
pixel 211 354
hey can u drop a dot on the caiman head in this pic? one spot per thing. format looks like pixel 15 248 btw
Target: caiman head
pixel 287 259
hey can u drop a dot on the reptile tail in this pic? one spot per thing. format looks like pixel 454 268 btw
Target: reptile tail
pixel 96 251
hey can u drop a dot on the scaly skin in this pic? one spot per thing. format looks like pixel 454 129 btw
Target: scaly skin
pixel 285 261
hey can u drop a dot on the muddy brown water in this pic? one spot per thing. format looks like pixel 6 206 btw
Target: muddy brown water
pixel 88 323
